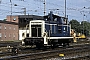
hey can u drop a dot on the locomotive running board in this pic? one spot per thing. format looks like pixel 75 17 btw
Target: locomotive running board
pixel 59 37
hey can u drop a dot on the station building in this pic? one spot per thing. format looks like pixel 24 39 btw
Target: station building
pixel 8 31
pixel 23 20
pixel 23 23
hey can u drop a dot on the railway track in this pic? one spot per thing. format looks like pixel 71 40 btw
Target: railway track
pixel 69 53
pixel 80 48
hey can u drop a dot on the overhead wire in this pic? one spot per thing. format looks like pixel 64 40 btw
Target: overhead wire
pixel 40 8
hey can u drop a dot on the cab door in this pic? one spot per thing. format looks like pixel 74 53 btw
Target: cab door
pixel 36 30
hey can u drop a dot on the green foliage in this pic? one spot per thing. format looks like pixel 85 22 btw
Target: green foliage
pixel 74 24
pixel 83 28
pixel 4 19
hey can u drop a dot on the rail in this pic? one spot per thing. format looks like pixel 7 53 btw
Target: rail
pixel 69 54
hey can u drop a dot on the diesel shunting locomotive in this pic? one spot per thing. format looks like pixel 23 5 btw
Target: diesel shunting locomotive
pixel 53 30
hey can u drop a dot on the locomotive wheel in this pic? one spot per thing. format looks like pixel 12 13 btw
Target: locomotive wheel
pixel 65 44
pixel 54 45
pixel 15 50
pixel 39 46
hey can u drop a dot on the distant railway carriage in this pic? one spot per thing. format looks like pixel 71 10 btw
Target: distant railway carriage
pixel 52 31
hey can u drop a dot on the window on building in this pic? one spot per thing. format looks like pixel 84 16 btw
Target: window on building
pixel 14 28
pixel 0 34
pixel 5 35
pixel 0 27
pixel 13 35
pixel 14 19
pixel 5 27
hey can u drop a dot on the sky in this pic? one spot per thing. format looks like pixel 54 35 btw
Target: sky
pixel 75 9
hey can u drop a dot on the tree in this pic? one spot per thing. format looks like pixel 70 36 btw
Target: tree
pixel 4 19
pixel 83 28
pixel 75 25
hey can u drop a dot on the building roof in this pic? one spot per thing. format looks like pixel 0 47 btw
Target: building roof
pixel 28 16
pixel 7 22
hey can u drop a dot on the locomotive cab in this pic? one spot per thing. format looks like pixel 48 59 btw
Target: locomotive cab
pixel 36 33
